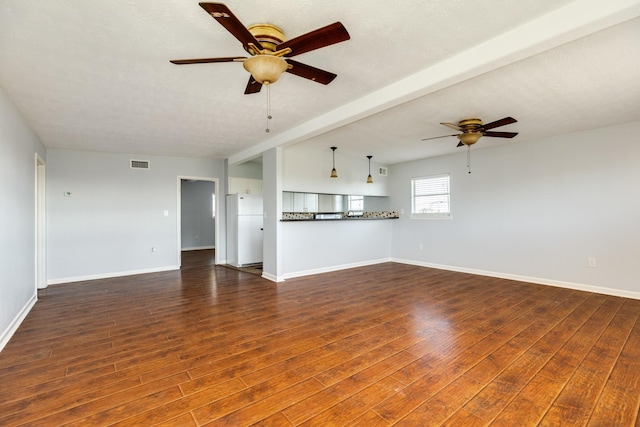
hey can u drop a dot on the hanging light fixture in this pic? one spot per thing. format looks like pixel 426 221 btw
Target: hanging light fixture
pixel 266 70
pixel 334 174
pixel 369 178
pixel 469 138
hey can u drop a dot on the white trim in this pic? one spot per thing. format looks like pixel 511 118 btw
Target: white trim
pixel 111 275
pixel 528 279
pixel 17 321
pixel 217 192
pixel 40 252
pixel 537 280
pixel 272 278
pixel 332 268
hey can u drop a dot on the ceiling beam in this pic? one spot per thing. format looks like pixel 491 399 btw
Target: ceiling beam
pixel 568 23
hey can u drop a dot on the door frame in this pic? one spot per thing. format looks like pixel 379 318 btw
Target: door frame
pixel 216 191
pixel 40 224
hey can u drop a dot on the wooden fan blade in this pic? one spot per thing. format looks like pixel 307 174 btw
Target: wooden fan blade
pixel 221 13
pixel 498 123
pixel 309 72
pixel 452 126
pixel 436 137
pixel 205 60
pixel 325 36
pixel 500 134
pixel 252 86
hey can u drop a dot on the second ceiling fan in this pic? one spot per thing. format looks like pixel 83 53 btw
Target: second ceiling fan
pixel 270 51
pixel 473 129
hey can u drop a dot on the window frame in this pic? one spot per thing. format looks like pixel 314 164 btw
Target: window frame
pixel 353 200
pixel 447 194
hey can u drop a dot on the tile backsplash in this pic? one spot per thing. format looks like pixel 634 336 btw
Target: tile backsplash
pixel 306 216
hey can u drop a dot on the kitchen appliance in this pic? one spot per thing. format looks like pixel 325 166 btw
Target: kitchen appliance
pixel 244 229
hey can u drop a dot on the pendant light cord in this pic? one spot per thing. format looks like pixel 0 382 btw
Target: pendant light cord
pixel 268 107
pixel 469 158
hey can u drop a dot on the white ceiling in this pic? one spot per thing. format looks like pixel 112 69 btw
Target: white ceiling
pixel 96 75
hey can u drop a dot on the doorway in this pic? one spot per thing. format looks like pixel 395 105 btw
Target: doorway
pixel 197 216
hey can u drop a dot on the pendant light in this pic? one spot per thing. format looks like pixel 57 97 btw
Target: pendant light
pixel 334 174
pixel 369 178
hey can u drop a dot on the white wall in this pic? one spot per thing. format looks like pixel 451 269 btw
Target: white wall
pixel 307 247
pixel 535 210
pixel 307 170
pixel 197 220
pixel 272 205
pixel 252 170
pixel 310 247
pixel 115 215
pixel 18 147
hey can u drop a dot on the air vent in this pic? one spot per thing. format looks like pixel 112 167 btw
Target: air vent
pixel 140 164
pixel 382 171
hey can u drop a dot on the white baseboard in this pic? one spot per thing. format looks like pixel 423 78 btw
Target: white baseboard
pixel 110 275
pixel 6 335
pixel 272 278
pixel 282 278
pixel 332 268
pixel 528 279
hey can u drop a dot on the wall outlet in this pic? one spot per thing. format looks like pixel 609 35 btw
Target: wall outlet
pixel 153 250
pixel 421 246
pixel 591 262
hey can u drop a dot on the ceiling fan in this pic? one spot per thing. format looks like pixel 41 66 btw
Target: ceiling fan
pixel 473 129
pixel 269 49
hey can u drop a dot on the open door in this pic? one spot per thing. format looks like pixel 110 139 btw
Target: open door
pixel 197 215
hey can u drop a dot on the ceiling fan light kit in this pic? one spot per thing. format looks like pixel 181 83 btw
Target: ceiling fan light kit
pixel 469 138
pixel 265 69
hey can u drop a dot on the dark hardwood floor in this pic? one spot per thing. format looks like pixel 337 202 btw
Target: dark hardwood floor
pixel 389 344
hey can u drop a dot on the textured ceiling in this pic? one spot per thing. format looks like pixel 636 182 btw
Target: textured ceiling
pixel 96 75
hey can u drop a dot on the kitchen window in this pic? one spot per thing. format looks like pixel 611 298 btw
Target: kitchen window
pixel 356 203
pixel 431 197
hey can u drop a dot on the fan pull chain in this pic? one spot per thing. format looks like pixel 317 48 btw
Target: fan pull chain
pixel 268 106
pixel 469 158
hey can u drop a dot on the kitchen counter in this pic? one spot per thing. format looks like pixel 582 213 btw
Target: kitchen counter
pixel 337 219
pixel 335 216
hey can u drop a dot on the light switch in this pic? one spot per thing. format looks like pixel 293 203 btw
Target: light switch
pixel 166 212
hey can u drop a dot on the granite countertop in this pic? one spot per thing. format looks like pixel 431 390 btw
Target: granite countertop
pixel 337 216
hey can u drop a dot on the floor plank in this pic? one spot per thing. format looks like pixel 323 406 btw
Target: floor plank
pixel 388 344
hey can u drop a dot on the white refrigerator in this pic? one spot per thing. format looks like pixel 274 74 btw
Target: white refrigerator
pixel 244 229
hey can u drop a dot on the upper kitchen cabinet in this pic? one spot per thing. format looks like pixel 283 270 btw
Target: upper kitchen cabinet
pixel 244 185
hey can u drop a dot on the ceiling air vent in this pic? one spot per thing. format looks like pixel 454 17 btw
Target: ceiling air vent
pixel 382 171
pixel 140 164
